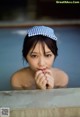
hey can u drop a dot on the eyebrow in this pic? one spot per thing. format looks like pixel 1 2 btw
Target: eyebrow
pixel 37 52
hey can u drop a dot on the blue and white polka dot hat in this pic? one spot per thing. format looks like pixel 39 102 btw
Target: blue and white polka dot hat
pixel 41 30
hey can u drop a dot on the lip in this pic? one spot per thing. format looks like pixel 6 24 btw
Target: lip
pixel 42 69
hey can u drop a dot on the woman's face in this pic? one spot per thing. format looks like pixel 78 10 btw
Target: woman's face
pixel 38 60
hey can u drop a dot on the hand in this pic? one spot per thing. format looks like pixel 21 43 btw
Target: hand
pixel 40 79
pixel 49 78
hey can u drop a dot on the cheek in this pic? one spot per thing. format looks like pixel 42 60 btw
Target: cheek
pixel 31 62
pixel 33 65
pixel 50 62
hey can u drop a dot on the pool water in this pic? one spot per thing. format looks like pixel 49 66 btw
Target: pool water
pixel 11 42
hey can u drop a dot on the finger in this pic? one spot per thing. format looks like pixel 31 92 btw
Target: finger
pixel 49 71
pixel 44 83
pixel 37 74
pixel 41 82
pixel 50 81
pixel 40 78
pixel 48 77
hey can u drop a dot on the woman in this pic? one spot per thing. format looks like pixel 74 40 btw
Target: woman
pixel 40 51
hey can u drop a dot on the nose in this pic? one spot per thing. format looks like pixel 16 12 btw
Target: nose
pixel 41 62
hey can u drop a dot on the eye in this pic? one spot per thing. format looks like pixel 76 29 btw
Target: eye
pixel 34 56
pixel 48 55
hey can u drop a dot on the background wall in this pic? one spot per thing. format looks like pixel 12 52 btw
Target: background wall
pixel 11 41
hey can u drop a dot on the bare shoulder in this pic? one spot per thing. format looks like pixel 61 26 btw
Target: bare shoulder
pixel 61 77
pixel 16 78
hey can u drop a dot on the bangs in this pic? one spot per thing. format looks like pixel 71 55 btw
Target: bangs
pixel 41 41
pixel 31 42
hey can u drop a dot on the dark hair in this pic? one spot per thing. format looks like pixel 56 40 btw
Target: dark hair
pixel 30 42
